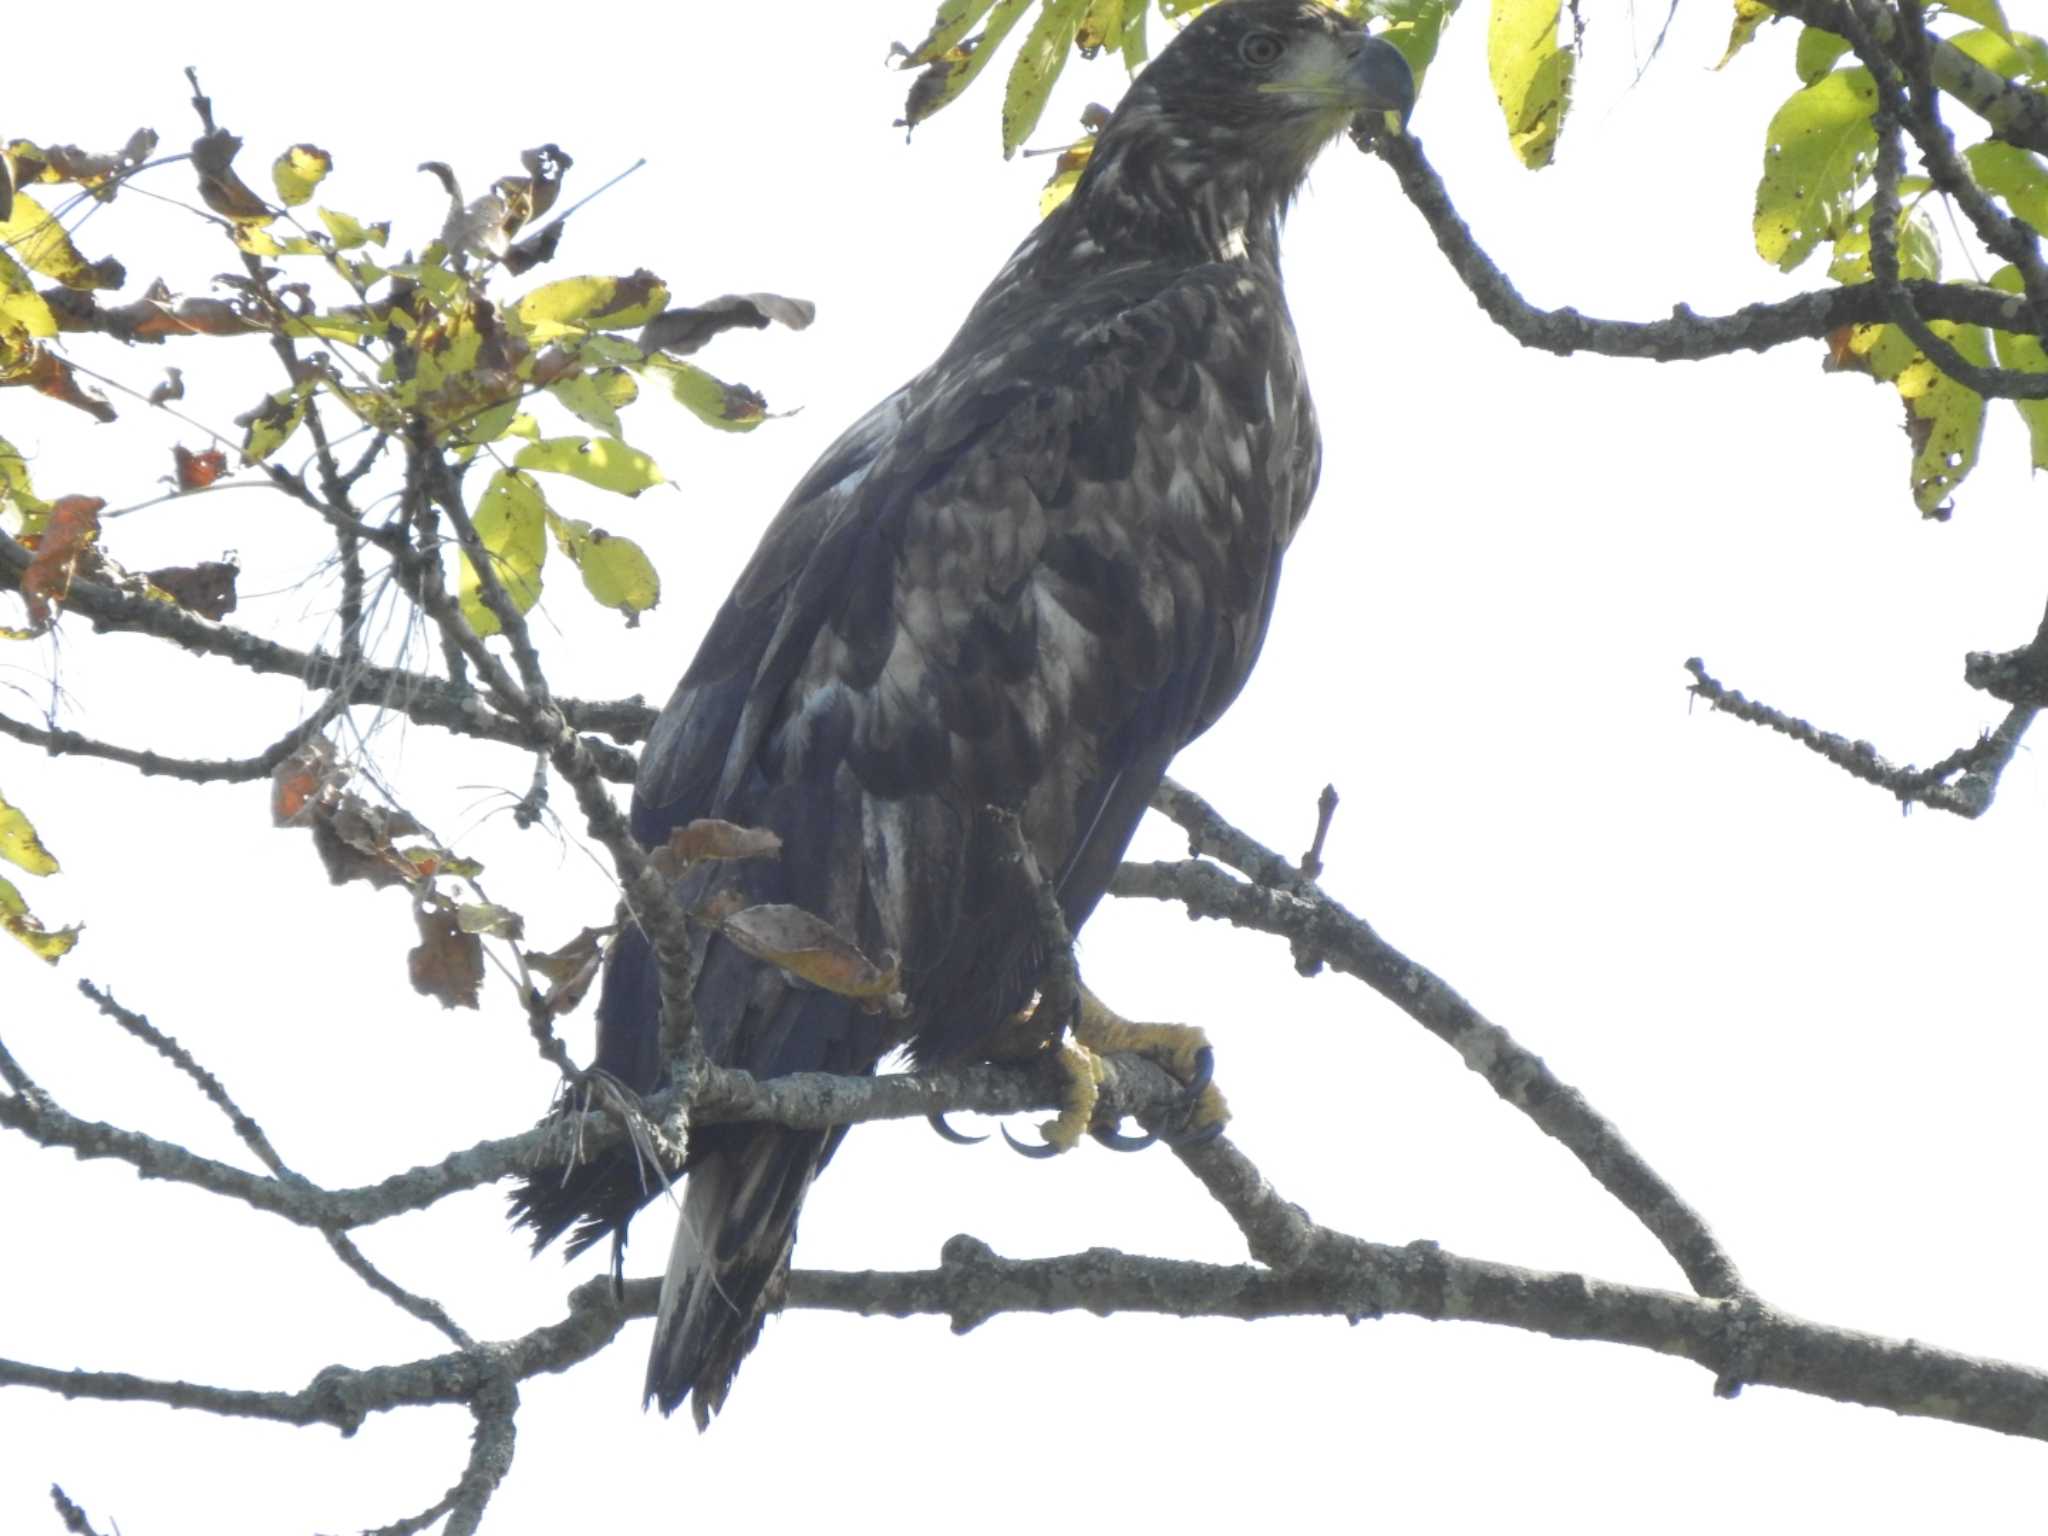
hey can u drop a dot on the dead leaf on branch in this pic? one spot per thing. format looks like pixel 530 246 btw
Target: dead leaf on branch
pixel 811 949
pixel 224 191
pixel 447 964
pixel 680 332
pixel 570 969
pixel 708 838
pixel 207 589
pixel 63 550
pixel 196 471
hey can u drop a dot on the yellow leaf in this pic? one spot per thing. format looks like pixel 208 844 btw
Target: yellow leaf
pixel 809 947
pixel 1749 15
pixel 16 919
pixel 348 233
pixel 20 305
pixel 578 304
pixel 616 571
pixel 40 243
pixel 298 171
pixel 1532 75
pixel 19 844
pixel 1037 66
pixel 604 462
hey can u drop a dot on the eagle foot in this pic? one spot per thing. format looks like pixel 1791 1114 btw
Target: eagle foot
pixel 1181 1049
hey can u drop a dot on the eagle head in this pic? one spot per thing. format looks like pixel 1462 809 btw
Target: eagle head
pixel 1224 123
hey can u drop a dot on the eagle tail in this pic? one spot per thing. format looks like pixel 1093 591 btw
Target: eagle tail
pixel 730 1260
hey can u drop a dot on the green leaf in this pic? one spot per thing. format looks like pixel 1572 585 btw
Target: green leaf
pixel 1817 153
pixel 948 27
pixel 2015 174
pixel 16 919
pixel 616 571
pixel 1986 13
pixel 1919 245
pixel 19 844
pixel 2025 354
pixel 1532 75
pixel 598 397
pixel 2015 55
pixel 349 232
pixel 728 407
pixel 1944 419
pixel 1416 27
pixel 1101 26
pixel 511 524
pixel 1816 53
pixel 298 171
pixel 22 512
pixel 271 424
pixel 1037 66
pixel 1749 15
pixel 1133 46
pixel 604 462
pixel 21 307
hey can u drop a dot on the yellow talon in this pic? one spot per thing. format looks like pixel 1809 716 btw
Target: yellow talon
pixel 1176 1047
pixel 1083 1072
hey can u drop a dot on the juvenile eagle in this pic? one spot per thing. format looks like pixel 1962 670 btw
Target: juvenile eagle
pixel 1025 580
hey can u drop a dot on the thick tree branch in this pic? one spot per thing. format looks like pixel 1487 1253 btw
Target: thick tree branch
pixel 1962 783
pixel 1685 336
pixel 1740 1340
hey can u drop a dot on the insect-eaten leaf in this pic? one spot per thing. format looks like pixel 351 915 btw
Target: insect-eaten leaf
pixel 679 332
pixel 19 844
pixel 604 462
pixel 447 964
pixel 511 525
pixel 299 170
pixel 207 589
pixel 350 233
pixel 708 838
pixel 948 60
pixel 22 924
pixel 1817 153
pixel 811 949
pixel 1037 65
pixel 615 570
pixel 1749 15
pixel 46 373
pixel 1532 75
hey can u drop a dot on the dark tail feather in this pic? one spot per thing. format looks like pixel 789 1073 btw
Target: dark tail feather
pixel 731 1255
pixel 598 1197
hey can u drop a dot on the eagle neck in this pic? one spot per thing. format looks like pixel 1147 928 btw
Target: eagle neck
pixel 1159 187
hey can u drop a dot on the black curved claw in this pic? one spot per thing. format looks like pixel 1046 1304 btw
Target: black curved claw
pixel 1205 1072
pixel 1201 1137
pixel 1117 1141
pixel 958 1138
pixel 1041 1151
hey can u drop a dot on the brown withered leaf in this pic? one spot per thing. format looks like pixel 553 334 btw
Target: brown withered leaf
pixel 535 249
pixel 354 839
pixel 196 471
pixel 447 964
pixel 62 550
pixel 808 947
pixel 208 589
pixel 213 156
pixel 682 331
pixel 48 374
pixel 172 388
pixel 709 838
pixel 303 780
pixel 570 970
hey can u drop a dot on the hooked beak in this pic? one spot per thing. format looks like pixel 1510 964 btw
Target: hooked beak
pixel 1380 78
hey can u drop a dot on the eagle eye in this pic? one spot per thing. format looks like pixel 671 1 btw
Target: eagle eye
pixel 1261 50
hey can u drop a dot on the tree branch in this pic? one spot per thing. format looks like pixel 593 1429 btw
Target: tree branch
pixel 1685 336
pixel 1963 783
pixel 1321 930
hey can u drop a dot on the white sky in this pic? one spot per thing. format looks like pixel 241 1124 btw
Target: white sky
pixel 1821 1020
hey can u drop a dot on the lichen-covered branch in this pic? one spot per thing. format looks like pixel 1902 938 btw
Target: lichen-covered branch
pixel 1321 930
pixel 1962 783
